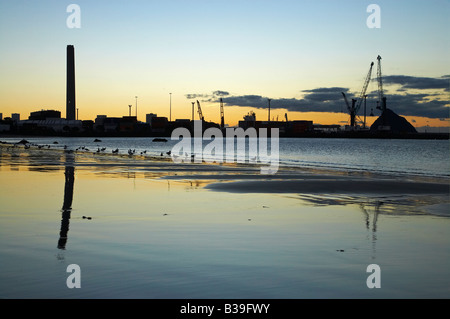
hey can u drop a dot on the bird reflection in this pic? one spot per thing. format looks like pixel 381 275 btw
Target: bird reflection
pixel 67 205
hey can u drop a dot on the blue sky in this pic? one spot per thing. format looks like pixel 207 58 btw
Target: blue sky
pixel 273 49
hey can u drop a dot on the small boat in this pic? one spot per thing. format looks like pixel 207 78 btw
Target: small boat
pixel 159 140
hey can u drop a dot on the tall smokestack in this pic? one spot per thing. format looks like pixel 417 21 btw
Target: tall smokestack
pixel 70 89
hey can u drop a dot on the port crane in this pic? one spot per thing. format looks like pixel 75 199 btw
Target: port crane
pixel 381 97
pixel 351 110
pixel 200 114
pixel 222 116
pixel 356 103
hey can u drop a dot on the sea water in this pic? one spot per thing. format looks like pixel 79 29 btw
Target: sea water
pixel 154 238
pixel 390 156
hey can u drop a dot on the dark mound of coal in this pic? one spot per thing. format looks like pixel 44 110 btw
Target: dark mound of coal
pixel 391 122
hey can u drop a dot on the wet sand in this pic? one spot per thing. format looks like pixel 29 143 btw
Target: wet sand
pixel 158 229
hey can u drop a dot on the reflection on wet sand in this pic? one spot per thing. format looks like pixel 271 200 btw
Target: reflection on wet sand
pixel 68 198
pixel 374 224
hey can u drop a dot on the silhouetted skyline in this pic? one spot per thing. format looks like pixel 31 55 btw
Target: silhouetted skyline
pixel 299 54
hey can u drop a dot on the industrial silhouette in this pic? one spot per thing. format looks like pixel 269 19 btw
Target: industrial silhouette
pixel 70 86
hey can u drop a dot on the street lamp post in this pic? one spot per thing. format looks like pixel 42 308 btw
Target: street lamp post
pixel 170 107
pixel 136 107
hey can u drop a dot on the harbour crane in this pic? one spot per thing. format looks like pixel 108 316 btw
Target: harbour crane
pixel 381 97
pixel 222 116
pixel 356 104
pixel 351 110
pixel 364 89
pixel 200 114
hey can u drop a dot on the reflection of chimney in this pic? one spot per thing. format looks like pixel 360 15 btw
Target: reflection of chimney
pixel 70 88
pixel 67 206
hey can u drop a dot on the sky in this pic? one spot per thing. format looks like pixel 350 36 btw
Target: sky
pixel 300 54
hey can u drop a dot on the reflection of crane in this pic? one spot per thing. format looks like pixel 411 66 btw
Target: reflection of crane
pixel 222 117
pixel 381 96
pixel 356 104
pixel 200 114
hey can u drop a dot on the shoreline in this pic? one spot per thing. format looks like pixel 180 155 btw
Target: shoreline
pixel 236 172
pixel 232 178
pixel 167 134
pixel 165 229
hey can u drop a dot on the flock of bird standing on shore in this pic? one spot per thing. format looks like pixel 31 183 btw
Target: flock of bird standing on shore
pixel 131 152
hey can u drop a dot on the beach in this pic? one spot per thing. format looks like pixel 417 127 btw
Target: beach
pixel 146 227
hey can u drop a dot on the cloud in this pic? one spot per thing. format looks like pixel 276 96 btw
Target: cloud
pixel 316 100
pixel 329 99
pixel 416 82
pixel 191 96
pixel 418 105
pixel 207 97
pixel 221 93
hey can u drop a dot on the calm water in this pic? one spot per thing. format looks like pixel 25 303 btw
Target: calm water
pixel 158 238
pixel 415 157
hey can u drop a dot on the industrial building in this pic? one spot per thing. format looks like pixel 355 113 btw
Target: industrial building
pixel 44 115
pixel 70 84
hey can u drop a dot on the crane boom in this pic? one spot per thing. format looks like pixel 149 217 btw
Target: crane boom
pixel 346 102
pixel 200 114
pixel 222 116
pixel 351 110
pixel 381 97
pixel 364 89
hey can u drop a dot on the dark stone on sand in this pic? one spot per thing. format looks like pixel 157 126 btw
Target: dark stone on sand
pixel 23 142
